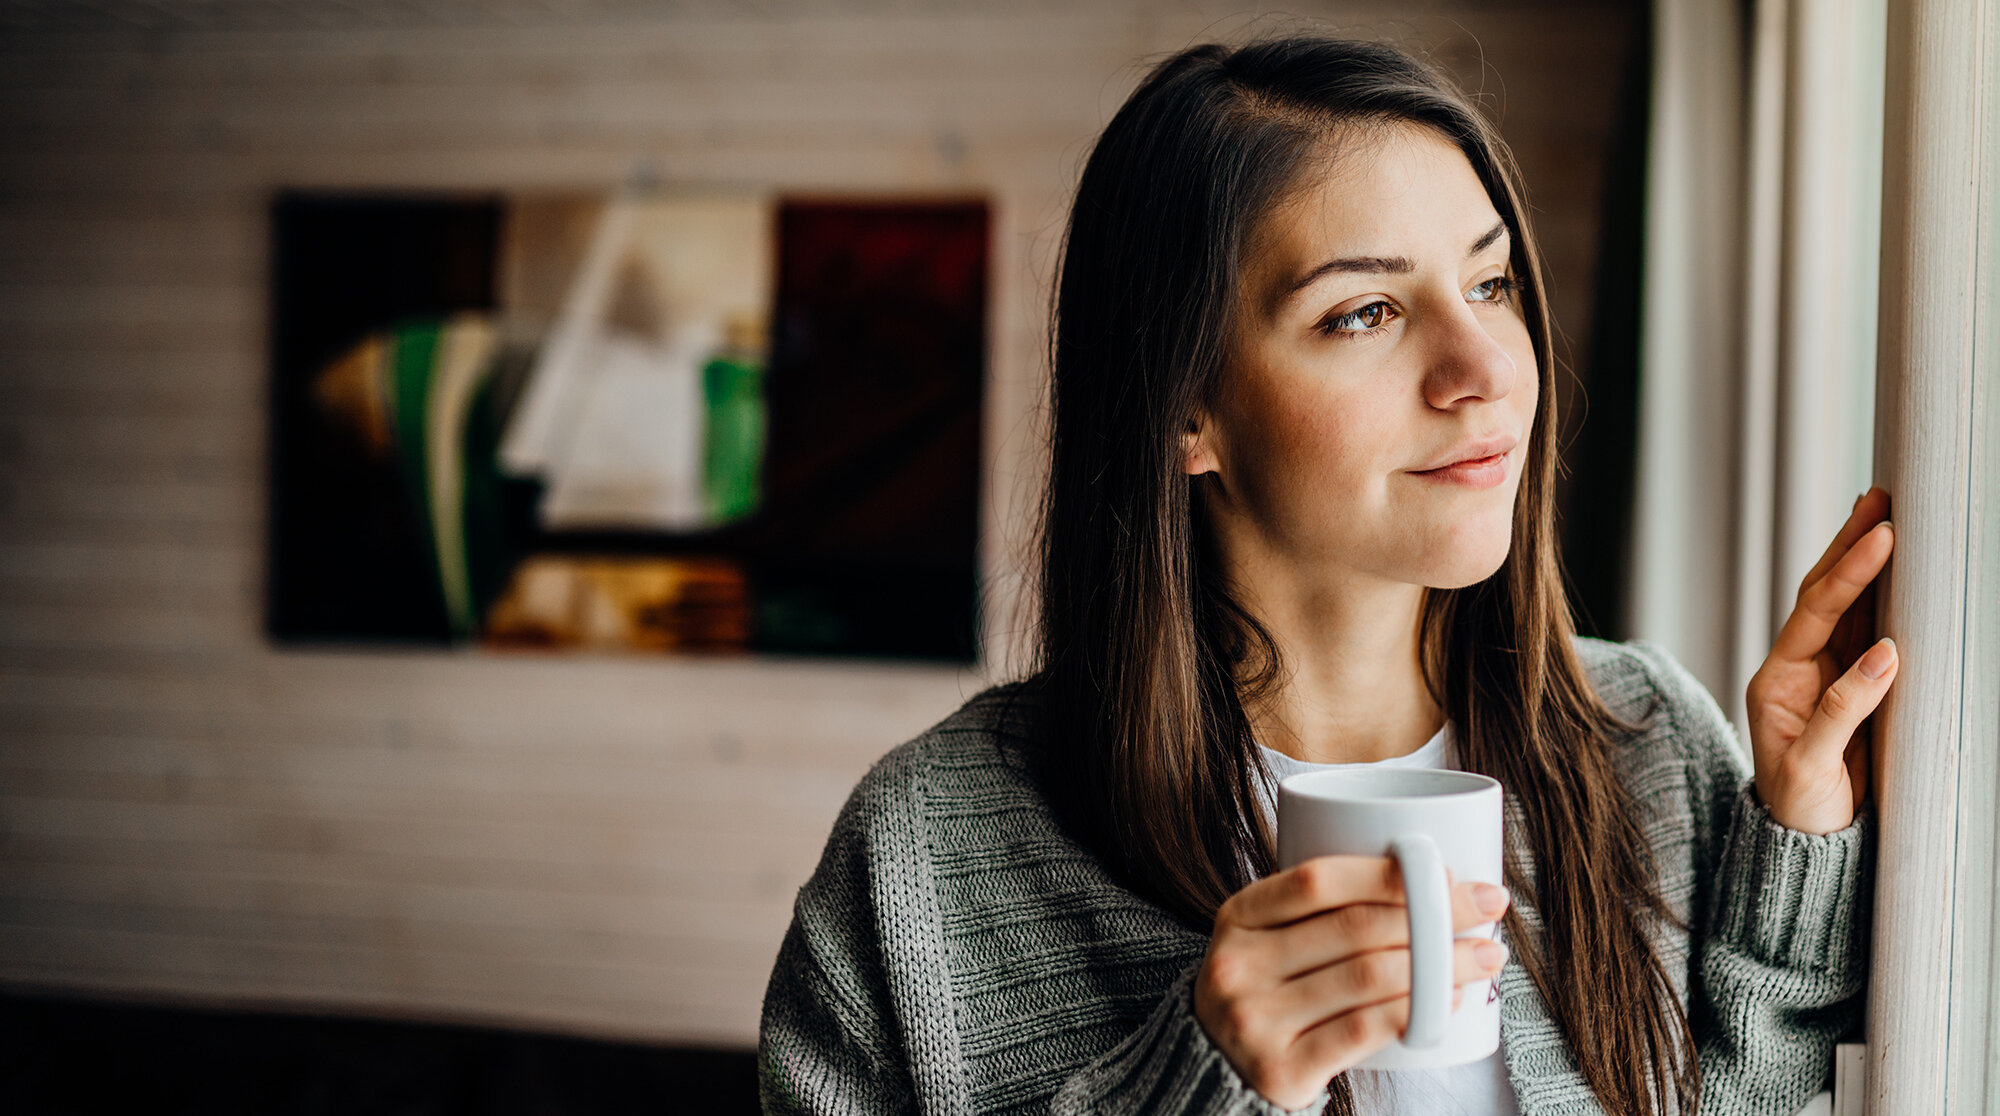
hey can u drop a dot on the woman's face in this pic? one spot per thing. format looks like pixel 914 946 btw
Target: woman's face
pixel 1378 340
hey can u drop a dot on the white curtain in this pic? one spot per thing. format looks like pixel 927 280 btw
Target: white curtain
pixel 1757 346
pixel 1773 218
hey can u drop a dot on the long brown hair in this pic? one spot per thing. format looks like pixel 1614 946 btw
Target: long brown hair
pixel 1146 658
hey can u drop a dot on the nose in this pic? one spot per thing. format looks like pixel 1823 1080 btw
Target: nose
pixel 1466 362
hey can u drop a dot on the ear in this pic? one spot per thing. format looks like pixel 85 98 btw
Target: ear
pixel 1198 446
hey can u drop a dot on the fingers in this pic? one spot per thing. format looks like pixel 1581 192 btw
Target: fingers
pixel 1316 885
pixel 1823 602
pixel 1851 698
pixel 1376 988
pixel 1871 508
pixel 1822 746
pixel 1855 629
pixel 1266 980
pixel 1326 883
pixel 1344 932
pixel 1339 1043
pixel 1476 903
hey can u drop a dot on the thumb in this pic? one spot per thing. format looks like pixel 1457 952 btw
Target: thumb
pixel 1847 703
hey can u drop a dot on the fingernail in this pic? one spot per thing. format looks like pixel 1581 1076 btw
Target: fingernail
pixel 1490 955
pixel 1876 662
pixel 1491 899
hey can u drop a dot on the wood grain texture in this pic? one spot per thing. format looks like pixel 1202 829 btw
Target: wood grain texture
pixel 606 846
pixel 1930 786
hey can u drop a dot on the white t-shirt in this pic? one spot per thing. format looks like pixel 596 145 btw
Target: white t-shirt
pixel 1480 1088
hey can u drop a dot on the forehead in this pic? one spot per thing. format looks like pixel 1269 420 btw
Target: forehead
pixel 1398 190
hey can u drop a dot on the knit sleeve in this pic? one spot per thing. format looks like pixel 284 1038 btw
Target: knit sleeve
pixel 816 1052
pixel 828 1043
pixel 1780 925
pixel 1168 1065
pixel 1783 967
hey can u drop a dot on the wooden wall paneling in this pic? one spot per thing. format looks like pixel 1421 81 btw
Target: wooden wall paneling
pixel 563 990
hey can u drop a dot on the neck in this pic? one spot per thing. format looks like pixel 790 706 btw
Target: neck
pixel 1353 689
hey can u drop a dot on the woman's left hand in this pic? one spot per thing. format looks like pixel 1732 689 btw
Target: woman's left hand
pixel 1806 704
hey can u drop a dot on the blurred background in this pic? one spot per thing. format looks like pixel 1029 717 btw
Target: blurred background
pixel 392 720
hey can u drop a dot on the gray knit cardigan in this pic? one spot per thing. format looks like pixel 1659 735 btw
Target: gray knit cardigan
pixel 957 952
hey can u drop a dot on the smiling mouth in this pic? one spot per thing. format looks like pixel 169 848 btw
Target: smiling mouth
pixel 1468 463
pixel 1479 472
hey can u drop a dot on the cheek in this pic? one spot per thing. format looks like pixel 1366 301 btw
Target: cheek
pixel 1527 382
pixel 1530 393
pixel 1312 446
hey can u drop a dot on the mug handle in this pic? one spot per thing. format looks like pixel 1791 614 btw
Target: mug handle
pixel 1429 899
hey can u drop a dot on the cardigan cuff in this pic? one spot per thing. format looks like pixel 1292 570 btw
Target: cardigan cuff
pixel 1795 900
pixel 1170 1065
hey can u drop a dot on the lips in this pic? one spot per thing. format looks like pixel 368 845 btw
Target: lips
pixel 1492 446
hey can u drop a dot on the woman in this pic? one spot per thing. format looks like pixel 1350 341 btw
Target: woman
pixel 1300 512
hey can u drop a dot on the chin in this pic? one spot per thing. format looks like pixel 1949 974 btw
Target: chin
pixel 1457 563
pixel 1461 581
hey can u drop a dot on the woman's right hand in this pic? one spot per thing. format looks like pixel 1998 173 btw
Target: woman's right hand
pixel 1308 971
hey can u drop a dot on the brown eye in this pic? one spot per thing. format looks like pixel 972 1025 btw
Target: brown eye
pixel 1369 317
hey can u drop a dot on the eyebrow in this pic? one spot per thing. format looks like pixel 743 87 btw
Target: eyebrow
pixel 1384 265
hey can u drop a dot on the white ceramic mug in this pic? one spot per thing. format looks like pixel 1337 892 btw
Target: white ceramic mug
pixel 1427 821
